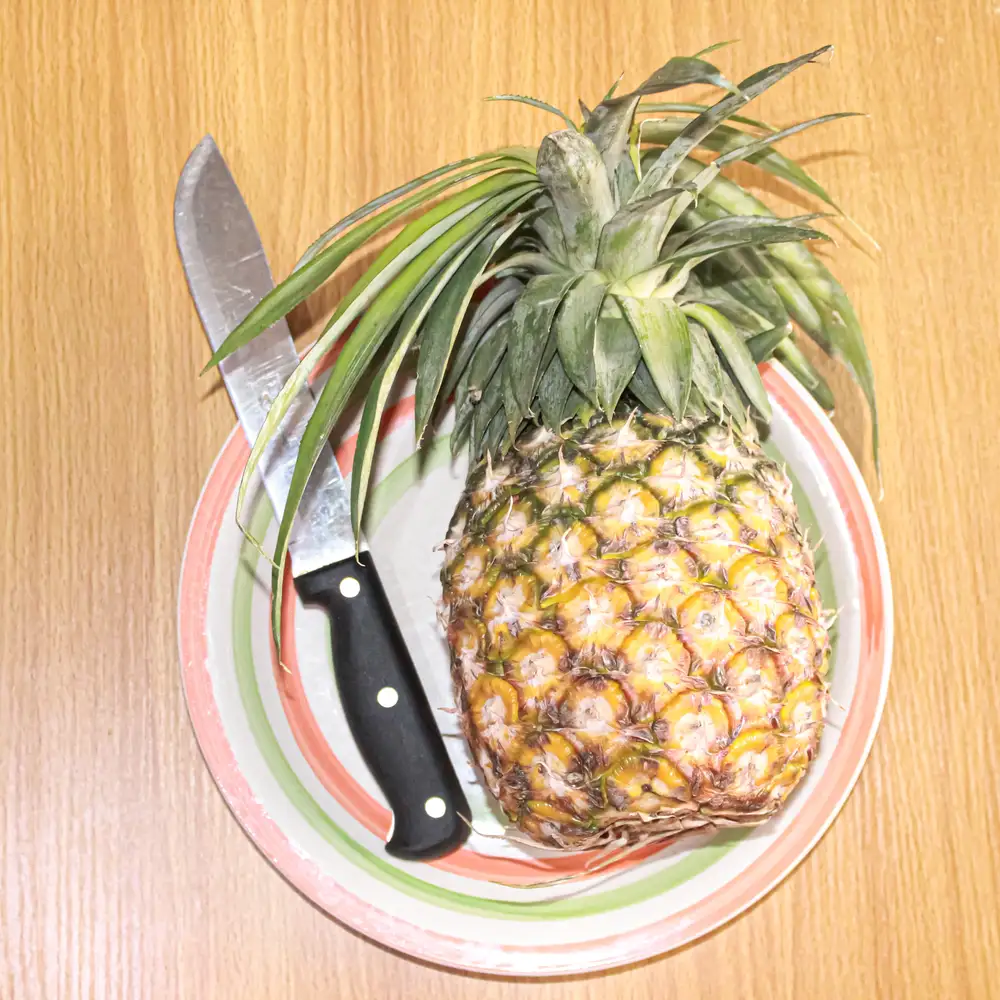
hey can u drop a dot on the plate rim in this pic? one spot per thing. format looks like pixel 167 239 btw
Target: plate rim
pixel 424 944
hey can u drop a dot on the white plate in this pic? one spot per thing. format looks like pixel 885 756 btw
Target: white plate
pixel 279 749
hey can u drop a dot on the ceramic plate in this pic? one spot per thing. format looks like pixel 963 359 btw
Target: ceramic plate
pixel 277 745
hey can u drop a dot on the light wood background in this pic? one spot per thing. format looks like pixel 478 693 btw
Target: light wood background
pixel 121 872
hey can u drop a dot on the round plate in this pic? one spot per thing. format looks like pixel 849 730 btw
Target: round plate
pixel 275 739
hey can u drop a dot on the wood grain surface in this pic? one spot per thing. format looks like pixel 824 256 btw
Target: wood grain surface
pixel 121 872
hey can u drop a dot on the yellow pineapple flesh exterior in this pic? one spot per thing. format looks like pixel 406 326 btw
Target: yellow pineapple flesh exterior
pixel 637 639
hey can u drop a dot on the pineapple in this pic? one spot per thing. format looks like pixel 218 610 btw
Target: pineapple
pixel 637 640
pixel 638 645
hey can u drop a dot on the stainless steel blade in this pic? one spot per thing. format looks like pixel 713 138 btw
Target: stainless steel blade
pixel 228 274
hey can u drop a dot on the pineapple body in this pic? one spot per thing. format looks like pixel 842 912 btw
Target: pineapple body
pixel 637 640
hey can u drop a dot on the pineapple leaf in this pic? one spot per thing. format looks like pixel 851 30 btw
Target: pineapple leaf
pixel 697 109
pixel 489 308
pixel 790 355
pixel 743 147
pixel 683 71
pixel 551 234
pixel 570 167
pixel 764 344
pixel 746 285
pixel 714 47
pixel 616 354
pixel 737 274
pixel 534 102
pixel 441 229
pixel 424 309
pixel 482 415
pixel 762 281
pixel 733 403
pixel 697 407
pixel 626 180
pixel 735 352
pixel 554 390
pixel 829 316
pixel 357 354
pixel 575 329
pixel 476 162
pixel 706 372
pixel 446 314
pixel 532 318
pixel 704 175
pixel 780 166
pixel 613 88
pixel 737 145
pixel 488 356
pixel 738 231
pixel 794 299
pixel 494 434
pixel 631 240
pixel 662 331
pixel 644 389
pixel 378 393
pixel 661 173
pixel 608 126
pixel 333 331
pixel 574 402
pixel 308 276
pixel 609 123
pixel 463 415
pixel 351 364
pixel 521 263
pixel 510 380
pixel 843 337
pixel 743 316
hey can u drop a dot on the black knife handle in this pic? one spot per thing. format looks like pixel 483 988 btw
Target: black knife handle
pixel 387 710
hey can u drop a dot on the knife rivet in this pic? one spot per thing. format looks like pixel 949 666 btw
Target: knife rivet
pixel 350 587
pixel 435 807
pixel 387 697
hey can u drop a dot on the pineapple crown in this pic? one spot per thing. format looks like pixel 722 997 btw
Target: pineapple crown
pixel 608 266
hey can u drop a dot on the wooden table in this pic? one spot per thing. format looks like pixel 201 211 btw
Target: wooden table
pixel 121 872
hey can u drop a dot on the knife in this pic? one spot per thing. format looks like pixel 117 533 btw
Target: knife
pixel 383 701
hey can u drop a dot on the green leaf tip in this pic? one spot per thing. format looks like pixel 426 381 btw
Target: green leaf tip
pixel 534 102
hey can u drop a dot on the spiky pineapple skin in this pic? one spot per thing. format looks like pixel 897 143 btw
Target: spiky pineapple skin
pixel 638 646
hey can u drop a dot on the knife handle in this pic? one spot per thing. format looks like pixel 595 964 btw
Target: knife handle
pixel 387 710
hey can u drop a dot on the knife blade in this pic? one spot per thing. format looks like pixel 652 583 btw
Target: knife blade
pixel 383 701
